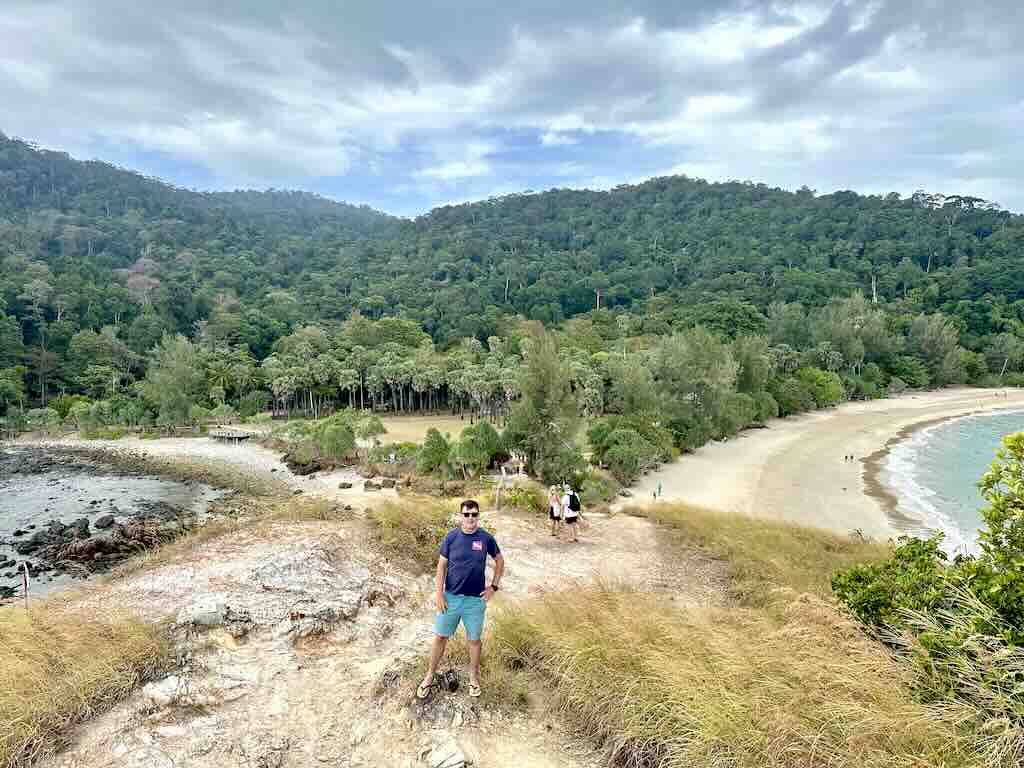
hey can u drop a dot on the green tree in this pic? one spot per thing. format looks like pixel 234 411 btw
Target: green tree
pixel 174 380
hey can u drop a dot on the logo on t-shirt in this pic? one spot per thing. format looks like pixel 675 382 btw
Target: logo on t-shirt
pixel 477 546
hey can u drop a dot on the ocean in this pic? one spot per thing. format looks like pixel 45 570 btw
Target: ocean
pixel 934 474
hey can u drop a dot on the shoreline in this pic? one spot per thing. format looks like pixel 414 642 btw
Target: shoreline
pixel 794 470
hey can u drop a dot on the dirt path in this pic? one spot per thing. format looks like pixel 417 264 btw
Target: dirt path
pixel 309 628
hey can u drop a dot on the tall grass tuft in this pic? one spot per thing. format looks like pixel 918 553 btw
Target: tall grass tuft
pixel 411 530
pixel 655 686
pixel 765 556
pixel 966 668
pixel 58 668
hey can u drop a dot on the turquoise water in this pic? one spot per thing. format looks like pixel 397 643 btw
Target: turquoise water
pixel 935 472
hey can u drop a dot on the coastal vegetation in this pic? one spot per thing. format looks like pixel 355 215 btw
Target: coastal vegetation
pixel 959 624
pixel 678 311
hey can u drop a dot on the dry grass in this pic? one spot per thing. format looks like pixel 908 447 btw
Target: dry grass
pixel 413 429
pixel 764 555
pixel 654 686
pixel 58 668
pixel 411 530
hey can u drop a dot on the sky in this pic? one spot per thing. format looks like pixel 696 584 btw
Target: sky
pixel 408 105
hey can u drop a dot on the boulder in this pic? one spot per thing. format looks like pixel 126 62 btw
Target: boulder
pixel 447 754
pixel 344 485
pixel 369 485
pixel 387 482
pixel 104 522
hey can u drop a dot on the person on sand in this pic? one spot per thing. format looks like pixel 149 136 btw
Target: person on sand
pixel 554 509
pixel 571 508
pixel 461 594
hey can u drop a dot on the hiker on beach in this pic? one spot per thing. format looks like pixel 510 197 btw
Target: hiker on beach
pixel 571 508
pixel 555 509
pixel 461 592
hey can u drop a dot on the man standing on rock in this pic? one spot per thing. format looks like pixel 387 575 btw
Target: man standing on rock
pixel 461 592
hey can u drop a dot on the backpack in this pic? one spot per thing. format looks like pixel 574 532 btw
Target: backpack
pixel 574 502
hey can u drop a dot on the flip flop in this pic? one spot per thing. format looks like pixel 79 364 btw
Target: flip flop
pixel 474 690
pixel 424 690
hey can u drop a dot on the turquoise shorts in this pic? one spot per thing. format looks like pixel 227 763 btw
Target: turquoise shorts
pixel 465 608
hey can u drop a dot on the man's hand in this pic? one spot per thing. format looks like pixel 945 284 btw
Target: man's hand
pixel 487 594
pixel 442 604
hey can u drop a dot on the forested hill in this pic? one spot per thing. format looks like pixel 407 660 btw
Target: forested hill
pixel 86 246
pixel 694 241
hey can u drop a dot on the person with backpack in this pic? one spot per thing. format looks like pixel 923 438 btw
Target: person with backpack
pixel 571 508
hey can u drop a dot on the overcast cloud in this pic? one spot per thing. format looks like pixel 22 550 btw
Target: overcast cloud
pixel 409 105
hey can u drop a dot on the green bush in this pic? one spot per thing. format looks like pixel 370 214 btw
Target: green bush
pixel 767 408
pixel 913 578
pixel 435 453
pixel 527 498
pixel 63 404
pixel 598 487
pixel 45 419
pixel 793 396
pixel 825 386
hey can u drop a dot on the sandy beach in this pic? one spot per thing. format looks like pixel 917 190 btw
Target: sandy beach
pixel 794 469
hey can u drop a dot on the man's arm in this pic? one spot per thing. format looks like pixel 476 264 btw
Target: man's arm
pixel 442 573
pixel 499 569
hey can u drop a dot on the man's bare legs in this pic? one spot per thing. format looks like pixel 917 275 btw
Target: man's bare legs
pixel 436 654
pixel 474 661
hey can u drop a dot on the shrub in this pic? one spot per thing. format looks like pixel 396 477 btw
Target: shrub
pixel 897 386
pixel 912 578
pixel 598 487
pixel 435 452
pixel 63 404
pixel 412 531
pixel 793 396
pixel 767 408
pixel 45 419
pixel 224 413
pixel 825 386
pixel 528 498
pixel 252 404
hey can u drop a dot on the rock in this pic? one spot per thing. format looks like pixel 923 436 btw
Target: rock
pixel 104 522
pixel 204 614
pixel 387 482
pixel 447 754
pixel 625 492
pixel 18 532
pixel 81 526
pixel 164 692
pixel 344 485
pixel 369 485
pixel 297 492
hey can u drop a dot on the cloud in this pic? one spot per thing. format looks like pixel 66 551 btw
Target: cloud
pixel 406 105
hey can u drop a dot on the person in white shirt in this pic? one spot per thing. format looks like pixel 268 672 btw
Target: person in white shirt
pixel 571 508
pixel 554 509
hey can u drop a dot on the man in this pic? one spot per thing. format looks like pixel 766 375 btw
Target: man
pixel 571 508
pixel 461 594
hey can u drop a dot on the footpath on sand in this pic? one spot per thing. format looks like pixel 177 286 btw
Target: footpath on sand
pixel 294 637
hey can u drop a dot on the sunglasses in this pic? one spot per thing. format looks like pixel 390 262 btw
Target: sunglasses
pixel 471 514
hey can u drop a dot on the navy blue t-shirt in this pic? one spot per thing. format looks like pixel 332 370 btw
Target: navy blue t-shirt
pixel 467 560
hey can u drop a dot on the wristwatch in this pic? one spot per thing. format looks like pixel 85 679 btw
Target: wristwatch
pixel 494 587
